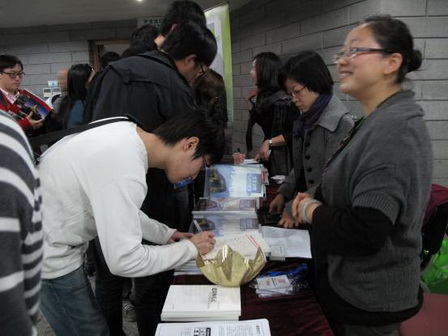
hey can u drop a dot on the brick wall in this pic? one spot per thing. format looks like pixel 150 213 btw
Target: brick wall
pixel 289 26
pixel 46 49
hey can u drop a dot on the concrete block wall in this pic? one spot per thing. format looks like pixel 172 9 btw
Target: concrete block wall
pixel 289 26
pixel 46 49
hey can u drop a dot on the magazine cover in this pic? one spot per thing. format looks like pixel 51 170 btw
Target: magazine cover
pixel 234 181
pixel 227 204
pixel 34 103
pixel 225 224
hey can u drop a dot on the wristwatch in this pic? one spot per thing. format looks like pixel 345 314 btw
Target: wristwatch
pixel 270 142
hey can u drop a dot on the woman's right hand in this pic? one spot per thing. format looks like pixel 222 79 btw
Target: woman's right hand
pixel 203 241
pixel 277 204
pixel 238 158
pixel 287 222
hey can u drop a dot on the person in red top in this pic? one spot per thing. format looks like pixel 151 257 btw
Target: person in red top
pixel 11 74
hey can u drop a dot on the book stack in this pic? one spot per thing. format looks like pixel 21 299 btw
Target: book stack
pixel 258 327
pixel 202 303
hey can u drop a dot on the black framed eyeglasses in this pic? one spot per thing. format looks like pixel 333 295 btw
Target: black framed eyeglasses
pixel 13 74
pixel 352 52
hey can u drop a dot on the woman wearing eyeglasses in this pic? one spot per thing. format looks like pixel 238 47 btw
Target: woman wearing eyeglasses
pixel 11 74
pixel 366 215
pixel 324 121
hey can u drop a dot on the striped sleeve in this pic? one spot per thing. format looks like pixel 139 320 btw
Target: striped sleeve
pixel 20 232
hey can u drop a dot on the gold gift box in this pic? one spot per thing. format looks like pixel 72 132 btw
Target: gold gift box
pixel 229 268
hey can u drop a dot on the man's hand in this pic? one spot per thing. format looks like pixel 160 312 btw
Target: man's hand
pixel 203 241
pixel 179 236
pixel 35 124
pixel 277 204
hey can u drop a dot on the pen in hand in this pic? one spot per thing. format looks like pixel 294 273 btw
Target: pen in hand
pixel 196 224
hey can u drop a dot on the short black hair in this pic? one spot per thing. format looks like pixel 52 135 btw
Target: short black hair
pixel 267 68
pixel 309 69
pixel 145 35
pixel 9 61
pixel 180 12
pixel 191 39
pixel 198 124
pixel 109 57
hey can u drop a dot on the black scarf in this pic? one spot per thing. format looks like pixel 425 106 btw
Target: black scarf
pixel 308 119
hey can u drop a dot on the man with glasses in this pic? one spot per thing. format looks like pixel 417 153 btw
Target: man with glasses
pixel 11 74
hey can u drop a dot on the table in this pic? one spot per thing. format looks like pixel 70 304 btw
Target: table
pixel 295 315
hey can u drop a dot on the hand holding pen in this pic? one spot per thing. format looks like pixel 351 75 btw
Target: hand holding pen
pixel 238 158
pixel 204 241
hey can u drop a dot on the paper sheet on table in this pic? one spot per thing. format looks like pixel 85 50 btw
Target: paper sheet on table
pixel 296 242
pixel 258 327
pixel 250 161
pixel 245 244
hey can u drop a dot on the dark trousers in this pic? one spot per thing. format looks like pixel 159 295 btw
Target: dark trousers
pixel 150 294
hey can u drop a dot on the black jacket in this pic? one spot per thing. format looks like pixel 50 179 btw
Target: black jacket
pixel 147 86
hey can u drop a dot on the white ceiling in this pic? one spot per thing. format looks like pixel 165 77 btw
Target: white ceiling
pixel 26 13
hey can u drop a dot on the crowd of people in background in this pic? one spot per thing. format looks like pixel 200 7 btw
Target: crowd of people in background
pixel 361 188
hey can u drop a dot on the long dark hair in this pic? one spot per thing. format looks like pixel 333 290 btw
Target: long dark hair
pixel 77 78
pixel 267 68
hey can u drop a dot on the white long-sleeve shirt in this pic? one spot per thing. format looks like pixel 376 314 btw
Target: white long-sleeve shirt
pixel 93 183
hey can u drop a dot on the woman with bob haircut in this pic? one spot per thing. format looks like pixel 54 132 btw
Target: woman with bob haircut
pixel 366 216
pixel 271 108
pixel 324 121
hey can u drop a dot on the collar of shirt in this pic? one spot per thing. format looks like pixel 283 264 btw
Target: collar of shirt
pixel 11 97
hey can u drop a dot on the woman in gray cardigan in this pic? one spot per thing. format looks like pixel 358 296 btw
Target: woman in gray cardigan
pixel 367 214
pixel 323 123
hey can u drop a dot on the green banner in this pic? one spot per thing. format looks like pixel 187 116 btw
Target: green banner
pixel 218 21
